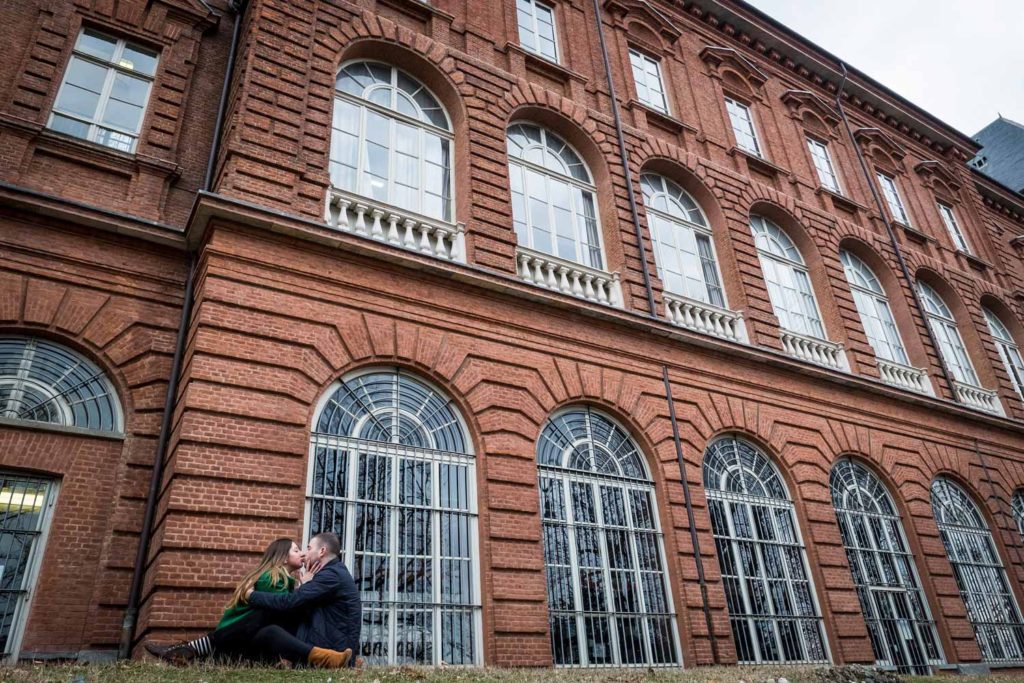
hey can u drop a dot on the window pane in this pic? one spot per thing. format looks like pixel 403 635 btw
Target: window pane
pixel 138 59
pixel 96 44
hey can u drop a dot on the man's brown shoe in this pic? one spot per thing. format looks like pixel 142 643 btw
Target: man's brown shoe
pixel 329 659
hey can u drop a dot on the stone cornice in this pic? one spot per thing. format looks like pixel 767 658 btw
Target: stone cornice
pixel 631 11
pixel 931 170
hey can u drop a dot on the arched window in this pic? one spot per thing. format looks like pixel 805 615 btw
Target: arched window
pixel 1008 350
pixel 951 346
pixel 682 241
pixel 979 573
pixel 1018 511
pixel 900 625
pixel 873 307
pixel 789 284
pixel 393 475
pixel 45 382
pixel 772 607
pixel 609 602
pixel 391 140
pixel 553 197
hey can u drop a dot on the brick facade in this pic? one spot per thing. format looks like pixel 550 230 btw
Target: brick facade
pixel 95 255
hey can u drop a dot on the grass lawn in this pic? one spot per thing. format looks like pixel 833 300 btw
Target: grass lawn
pixel 146 672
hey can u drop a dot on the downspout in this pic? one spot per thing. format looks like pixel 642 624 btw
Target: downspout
pixel 892 237
pixel 624 156
pixel 131 614
pixel 698 560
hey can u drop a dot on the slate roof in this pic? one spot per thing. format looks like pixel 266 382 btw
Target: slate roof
pixel 1002 153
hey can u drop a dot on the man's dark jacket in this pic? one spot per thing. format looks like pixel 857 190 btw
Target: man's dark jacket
pixel 327 609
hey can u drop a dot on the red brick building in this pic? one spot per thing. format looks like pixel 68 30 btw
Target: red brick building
pixel 717 361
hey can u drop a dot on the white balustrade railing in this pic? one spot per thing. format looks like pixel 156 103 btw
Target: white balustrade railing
pixel 978 397
pixel 904 376
pixel 814 350
pixel 369 218
pixel 569 277
pixel 702 317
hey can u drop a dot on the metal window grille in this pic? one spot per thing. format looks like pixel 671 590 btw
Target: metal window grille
pixel 789 284
pixel 823 164
pixel 45 382
pixel 899 622
pixel 892 198
pixel 743 126
pixel 609 600
pixel 685 253
pixel 951 345
pixel 647 76
pixel 391 140
pixel 25 507
pixel 1018 511
pixel 772 607
pixel 537 28
pixel 980 576
pixel 554 209
pixel 873 307
pixel 394 476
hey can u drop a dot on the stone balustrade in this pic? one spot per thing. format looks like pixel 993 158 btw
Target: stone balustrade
pixel 369 218
pixel 904 376
pixel 814 350
pixel 978 397
pixel 703 317
pixel 569 277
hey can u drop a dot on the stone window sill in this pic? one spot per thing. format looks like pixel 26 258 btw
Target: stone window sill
pixel 759 163
pixel 659 118
pixel 544 66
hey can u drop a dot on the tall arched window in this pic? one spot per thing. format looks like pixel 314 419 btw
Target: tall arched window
pixel 979 573
pixel 772 607
pixel 900 625
pixel 943 325
pixel 873 307
pixel 609 602
pixel 45 382
pixel 393 475
pixel 789 284
pixel 683 248
pixel 1008 350
pixel 1018 511
pixel 554 209
pixel 391 140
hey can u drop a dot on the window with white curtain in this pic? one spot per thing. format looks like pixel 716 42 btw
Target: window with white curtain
pixel 772 607
pixel 789 283
pixel 949 219
pixel 823 164
pixel 943 326
pixel 393 475
pixel 980 576
pixel 609 601
pixel 1009 352
pixel 647 76
pixel 892 198
pixel 1018 511
pixel 391 140
pixel 537 28
pixel 873 307
pixel 743 126
pixel 683 247
pixel 554 205
pixel 884 571
pixel 105 91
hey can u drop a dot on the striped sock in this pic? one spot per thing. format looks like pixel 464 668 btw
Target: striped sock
pixel 202 646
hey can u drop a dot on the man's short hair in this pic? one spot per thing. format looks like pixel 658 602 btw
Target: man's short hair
pixel 329 541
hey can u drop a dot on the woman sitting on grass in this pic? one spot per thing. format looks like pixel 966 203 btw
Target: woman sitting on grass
pixel 279 571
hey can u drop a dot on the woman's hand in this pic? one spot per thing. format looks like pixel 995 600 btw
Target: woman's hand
pixel 307 573
pixel 248 594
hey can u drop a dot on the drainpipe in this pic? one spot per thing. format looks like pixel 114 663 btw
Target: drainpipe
pixel 698 560
pixel 624 156
pixel 131 614
pixel 892 237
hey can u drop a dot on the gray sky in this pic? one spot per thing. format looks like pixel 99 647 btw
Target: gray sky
pixel 962 61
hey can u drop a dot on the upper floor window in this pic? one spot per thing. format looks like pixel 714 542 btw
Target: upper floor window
pixel 391 140
pixel 873 307
pixel 789 284
pixel 45 382
pixel 537 28
pixel 554 206
pixel 105 90
pixel 949 218
pixel 823 164
pixel 943 325
pixel 1017 503
pixel 647 75
pixel 743 126
pixel 1008 350
pixel 892 198
pixel 683 248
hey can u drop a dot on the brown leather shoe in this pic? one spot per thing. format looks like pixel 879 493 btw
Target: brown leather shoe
pixel 329 659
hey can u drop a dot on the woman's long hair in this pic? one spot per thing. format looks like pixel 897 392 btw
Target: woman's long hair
pixel 274 560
